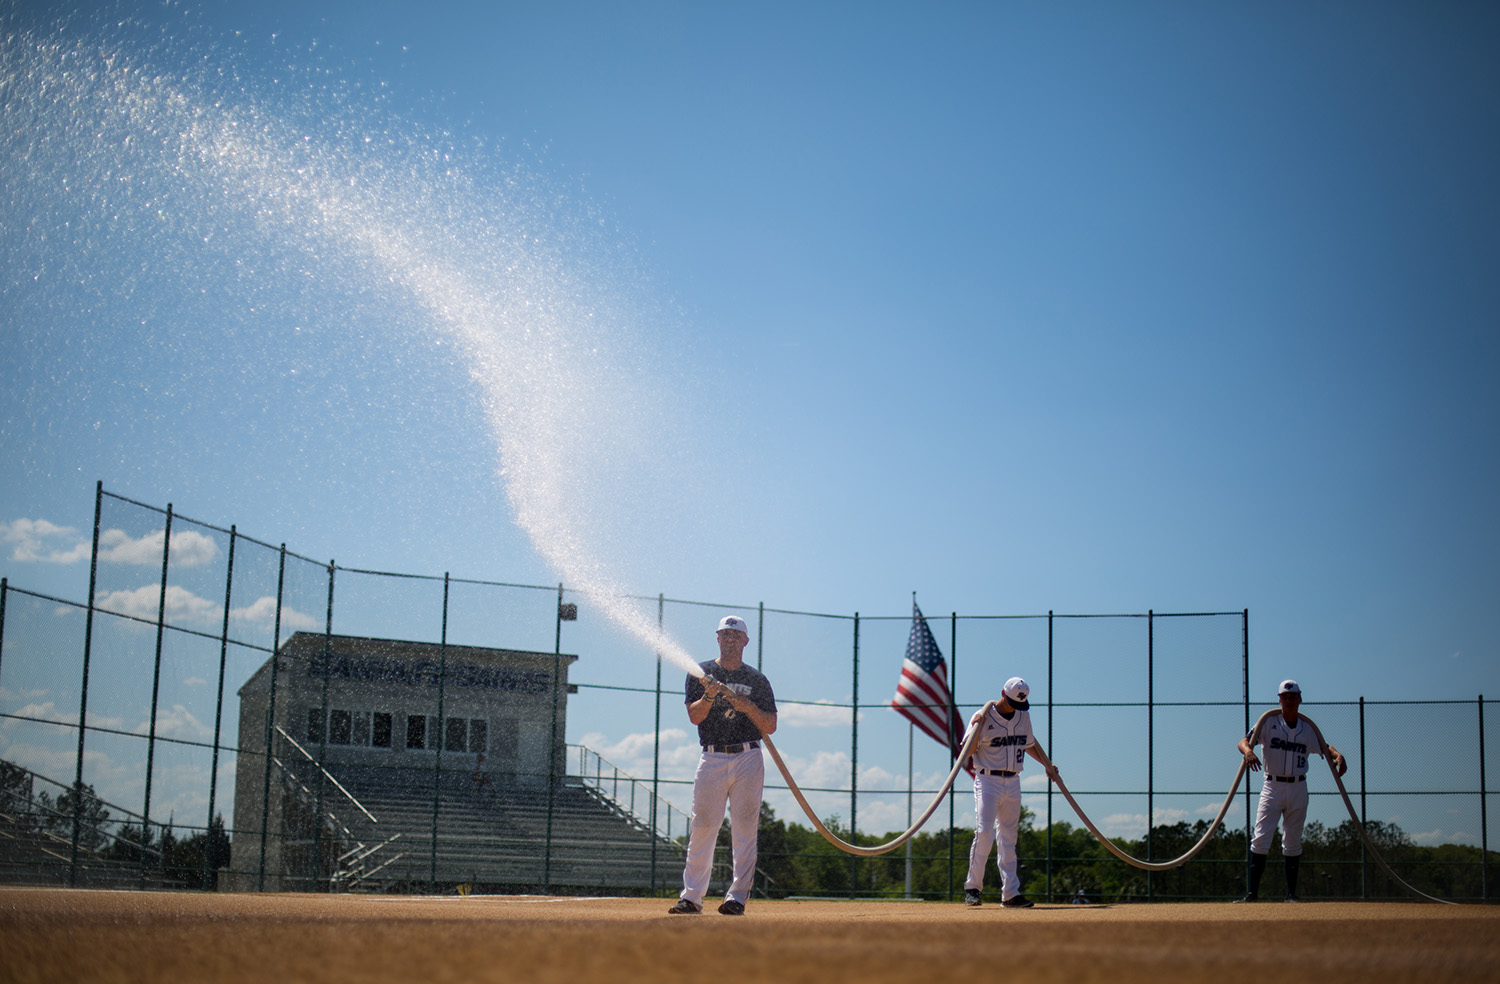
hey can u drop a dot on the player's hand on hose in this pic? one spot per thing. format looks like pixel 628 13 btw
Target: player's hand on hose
pixel 1254 761
pixel 1340 765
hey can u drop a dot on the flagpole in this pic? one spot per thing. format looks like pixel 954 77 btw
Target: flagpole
pixel 910 729
pixel 952 752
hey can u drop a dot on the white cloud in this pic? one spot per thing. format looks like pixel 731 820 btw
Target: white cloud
pixel 824 769
pixel 884 816
pixel 634 753
pixel 262 611
pixel 143 602
pixel 1131 825
pixel 37 540
pixel 631 748
pixel 194 681
pixel 176 722
pixel 189 548
pixel 47 711
pixel 1432 837
pixel 823 714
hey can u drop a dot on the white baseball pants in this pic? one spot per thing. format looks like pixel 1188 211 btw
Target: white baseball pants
pixel 1284 802
pixel 738 780
pixel 997 818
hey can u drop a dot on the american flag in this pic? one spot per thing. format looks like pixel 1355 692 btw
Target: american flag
pixel 922 695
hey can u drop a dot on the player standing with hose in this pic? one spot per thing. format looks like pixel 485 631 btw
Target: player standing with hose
pixel 733 707
pixel 1005 738
pixel 1288 740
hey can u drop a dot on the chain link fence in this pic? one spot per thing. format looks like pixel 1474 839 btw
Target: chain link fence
pixel 124 751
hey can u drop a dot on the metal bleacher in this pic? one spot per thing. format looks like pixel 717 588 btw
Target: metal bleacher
pixel 406 828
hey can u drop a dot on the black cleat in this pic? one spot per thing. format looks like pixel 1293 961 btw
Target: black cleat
pixel 1018 902
pixel 973 897
pixel 685 908
pixel 1291 897
pixel 732 908
pixel 1249 897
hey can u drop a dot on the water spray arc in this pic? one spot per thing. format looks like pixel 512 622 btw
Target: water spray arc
pixel 101 150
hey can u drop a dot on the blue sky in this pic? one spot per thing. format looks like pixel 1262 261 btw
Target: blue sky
pixel 1083 307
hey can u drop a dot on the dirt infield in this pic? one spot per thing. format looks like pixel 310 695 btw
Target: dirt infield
pixel 55 935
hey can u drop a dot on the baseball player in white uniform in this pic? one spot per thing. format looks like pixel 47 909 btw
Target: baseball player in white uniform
pixel 733 707
pixel 1005 739
pixel 1286 741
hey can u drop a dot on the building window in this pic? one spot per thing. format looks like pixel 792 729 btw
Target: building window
pixel 380 732
pixel 454 738
pixel 416 731
pixel 340 727
pixel 315 724
pixel 478 735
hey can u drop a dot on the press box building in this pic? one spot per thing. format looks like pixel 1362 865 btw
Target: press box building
pixel 427 763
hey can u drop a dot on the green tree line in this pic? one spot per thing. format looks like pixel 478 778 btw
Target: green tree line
pixel 39 828
pixel 797 861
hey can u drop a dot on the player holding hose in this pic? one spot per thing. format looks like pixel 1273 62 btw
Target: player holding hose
pixel 1288 739
pixel 1005 739
pixel 734 708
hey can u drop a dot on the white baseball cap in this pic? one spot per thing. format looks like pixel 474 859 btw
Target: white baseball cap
pixel 1016 691
pixel 1288 687
pixel 734 622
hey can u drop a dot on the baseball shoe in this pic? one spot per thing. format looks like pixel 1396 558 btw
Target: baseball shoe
pixel 1018 902
pixel 1249 897
pixel 972 897
pixel 732 908
pixel 685 908
pixel 1293 898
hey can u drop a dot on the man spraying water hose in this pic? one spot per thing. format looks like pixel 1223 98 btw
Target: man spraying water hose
pixel 734 708
pixel 1287 740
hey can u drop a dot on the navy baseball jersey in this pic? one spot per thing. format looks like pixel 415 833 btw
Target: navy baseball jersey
pixel 724 725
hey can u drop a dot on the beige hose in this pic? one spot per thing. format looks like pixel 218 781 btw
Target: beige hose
pixel 964 751
pixel 1109 845
pixel 1349 805
pixel 971 737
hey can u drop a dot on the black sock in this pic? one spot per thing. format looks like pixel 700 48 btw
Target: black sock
pixel 1291 873
pixel 1257 868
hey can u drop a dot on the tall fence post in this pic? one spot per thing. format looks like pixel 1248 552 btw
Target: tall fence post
pixel 439 738
pixel 265 793
pixel 1245 691
pixel 952 752
pixel 760 640
pixel 854 766
pixel 1484 816
pixel 83 691
pixel 661 603
pixel 4 591
pixel 161 628
pixel 1150 746
pixel 1364 852
pixel 1051 751
pixel 213 772
pixel 323 736
pixel 552 748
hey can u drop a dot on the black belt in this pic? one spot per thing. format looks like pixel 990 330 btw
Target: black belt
pixel 1288 778
pixel 996 772
pixel 731 749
